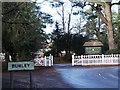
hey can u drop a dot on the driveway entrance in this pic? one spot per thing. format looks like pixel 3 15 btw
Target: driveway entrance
pixel 66 76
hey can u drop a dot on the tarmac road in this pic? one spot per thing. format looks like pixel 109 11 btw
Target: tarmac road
pixel 90 77
pixel 65 76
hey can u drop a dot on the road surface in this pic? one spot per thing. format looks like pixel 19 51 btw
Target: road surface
pixel 90 77
pixel 65 76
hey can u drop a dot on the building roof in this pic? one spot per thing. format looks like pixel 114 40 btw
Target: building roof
pixel 93 43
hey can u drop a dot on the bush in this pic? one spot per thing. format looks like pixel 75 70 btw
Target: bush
pixel 113 51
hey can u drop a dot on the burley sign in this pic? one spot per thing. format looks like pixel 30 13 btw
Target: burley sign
pixel 26 65
pixel 20 66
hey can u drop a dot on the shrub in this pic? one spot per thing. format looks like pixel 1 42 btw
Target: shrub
pixel 113 51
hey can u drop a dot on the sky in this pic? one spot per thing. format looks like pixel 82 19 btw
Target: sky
pixel 48 9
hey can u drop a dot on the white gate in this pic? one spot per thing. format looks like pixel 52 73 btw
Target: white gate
pixel 113 59
pixel 45 61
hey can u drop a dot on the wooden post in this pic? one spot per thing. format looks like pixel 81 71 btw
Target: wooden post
pixel 73 60
pixel 1 27
pixel 118 59
pixel 87 60
pixel 52 60
pixel 30 80
pixel 112 59
pixel 82 60
pixel 11 80
pixel 45 61
pixel 102 59
pixel 49 64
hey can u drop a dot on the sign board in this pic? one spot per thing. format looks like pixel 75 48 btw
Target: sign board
pixel 28 65
pixel 93 50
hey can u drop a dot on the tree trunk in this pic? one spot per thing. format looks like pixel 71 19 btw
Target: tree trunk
pixel 63 18
pixel 109 26
pixel 0 27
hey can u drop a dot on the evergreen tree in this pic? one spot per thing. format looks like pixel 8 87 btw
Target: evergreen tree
pixel 23 24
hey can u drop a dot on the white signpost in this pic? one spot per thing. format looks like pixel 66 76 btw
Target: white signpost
pixel 15 66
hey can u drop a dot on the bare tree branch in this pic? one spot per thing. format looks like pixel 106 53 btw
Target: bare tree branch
pixel 59 13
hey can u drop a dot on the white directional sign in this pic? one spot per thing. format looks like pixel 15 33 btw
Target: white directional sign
pixel 20 66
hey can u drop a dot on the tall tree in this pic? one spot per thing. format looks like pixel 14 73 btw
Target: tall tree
pixel 56 37
pixel 106 16
pixel 23 25
pixel 107 19
pixel 65 15
pixel 116 22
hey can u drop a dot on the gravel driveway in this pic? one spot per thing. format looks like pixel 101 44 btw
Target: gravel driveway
pixel 42 77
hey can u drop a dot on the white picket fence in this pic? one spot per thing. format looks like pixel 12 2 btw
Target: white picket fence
pixel 2 57
pixel 84 60
pixel 46 61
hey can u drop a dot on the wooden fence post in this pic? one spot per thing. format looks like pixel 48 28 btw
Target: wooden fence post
pixel 112 59
pixel 102 58
pixel 52 60
pixel 45 61
pixel 73 60
pixel 82 60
